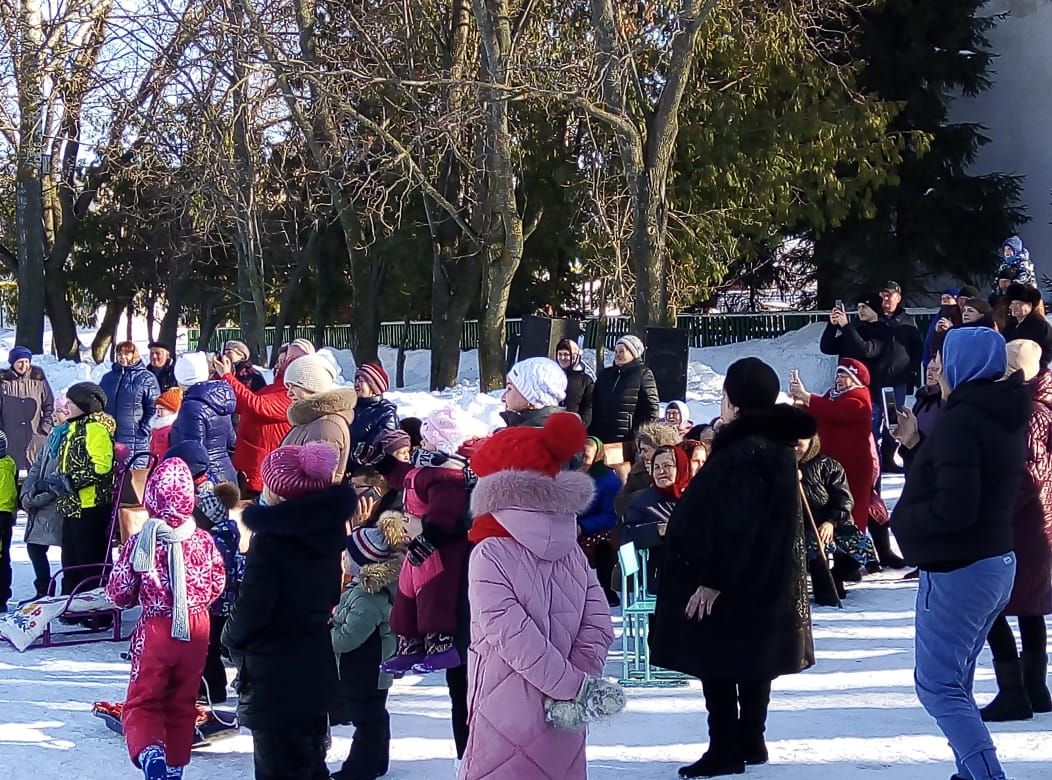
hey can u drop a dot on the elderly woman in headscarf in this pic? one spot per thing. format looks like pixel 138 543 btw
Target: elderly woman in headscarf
pixel 580 381
pixel 648 514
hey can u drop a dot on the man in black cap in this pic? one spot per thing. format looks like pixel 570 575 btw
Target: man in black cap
pixel 162 365
pixel 903 372
pixel 1028 319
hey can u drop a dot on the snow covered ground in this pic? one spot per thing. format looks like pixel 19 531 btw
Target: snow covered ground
pixel 853 715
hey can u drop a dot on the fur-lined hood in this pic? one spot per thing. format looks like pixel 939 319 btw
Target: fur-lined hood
pixel 569 492
pixel 36 374
pixel 340 401
pixel 379 576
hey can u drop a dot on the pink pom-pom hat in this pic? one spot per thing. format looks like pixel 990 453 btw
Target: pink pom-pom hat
pixel 296 471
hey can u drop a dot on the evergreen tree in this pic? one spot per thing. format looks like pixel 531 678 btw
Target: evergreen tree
pixel 934 219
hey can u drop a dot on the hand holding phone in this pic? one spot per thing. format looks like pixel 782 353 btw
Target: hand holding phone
pixel 891 409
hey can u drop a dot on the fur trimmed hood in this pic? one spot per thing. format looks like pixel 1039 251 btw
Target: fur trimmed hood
pixel 377 577
pixel 36 374
pixel 340 400
pixel 570 492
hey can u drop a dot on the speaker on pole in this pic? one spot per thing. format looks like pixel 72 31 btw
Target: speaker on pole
pixel 667 354
pixel 540 335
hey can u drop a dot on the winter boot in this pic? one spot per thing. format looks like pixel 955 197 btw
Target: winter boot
pixel 153 763
pixel 753 700
pixel 1035 679
pixel 1011 701
pixel 713 765
pixel 440 655
pixel 410 653
pixel 821 586
pixel 175 773
pixel 882 542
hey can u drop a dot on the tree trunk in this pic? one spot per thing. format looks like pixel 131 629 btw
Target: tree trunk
pixel 649 258
pixel 288 295
pixel 128 325
pixel 151 320
pixel 29 200
pixel 445 349
pixel 169 332
pixel 103 340
pixel 208 321
pixel 400 360
pixel 64 341
pixel 366 278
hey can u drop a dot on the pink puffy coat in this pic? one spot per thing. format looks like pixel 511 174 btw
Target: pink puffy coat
pixel 539 624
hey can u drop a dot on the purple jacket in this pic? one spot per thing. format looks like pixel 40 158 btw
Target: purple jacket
pixel 539 624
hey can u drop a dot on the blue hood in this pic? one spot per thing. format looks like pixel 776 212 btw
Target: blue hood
pixel 217 395
pixel 1015 242
pixel 973 353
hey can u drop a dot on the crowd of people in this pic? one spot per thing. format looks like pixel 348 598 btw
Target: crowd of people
pixel 369 548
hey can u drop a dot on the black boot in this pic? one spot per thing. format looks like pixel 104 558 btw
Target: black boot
pixel 821 586
pixel 1011 701
pixel 723 756
pixel 882 542
pixel 753 698
pixel 712 765
pixel 1035 680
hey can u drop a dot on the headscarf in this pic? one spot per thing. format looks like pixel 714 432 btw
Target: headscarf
pixel 969 354
pixel 679 485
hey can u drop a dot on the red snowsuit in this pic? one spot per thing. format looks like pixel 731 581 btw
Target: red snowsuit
pixel 845 428
pixel 161 705
pixel 264 424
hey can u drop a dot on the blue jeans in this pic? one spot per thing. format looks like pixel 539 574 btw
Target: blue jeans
pixel 955 611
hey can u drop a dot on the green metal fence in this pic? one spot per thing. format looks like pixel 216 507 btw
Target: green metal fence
pixel 706 330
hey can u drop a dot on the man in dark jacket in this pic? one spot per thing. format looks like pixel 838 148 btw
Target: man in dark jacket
pixel 131 398
pixel 26 408
pixel 1029 323
pixel 869 340
pixel 733 608
pixel 954 521
pixel 373 414
pixel 278 633
pixel 536 387
pixel 579 382
pixel 240 357
pixel 624 398
pixel 162 365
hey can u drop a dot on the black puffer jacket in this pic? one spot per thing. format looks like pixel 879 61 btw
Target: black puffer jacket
pixel 165 375
pixel 624 398
pixel 827 491
pixel 531 418
pixel 1035 328
pixel 739 529
pixel 278 633
pixel 372 416
pixel 873 343
pixel 579 390
pixel 962 480
pixel 908 342
pixel 131 397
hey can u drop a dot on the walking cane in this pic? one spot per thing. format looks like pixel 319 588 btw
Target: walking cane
pixel 818 541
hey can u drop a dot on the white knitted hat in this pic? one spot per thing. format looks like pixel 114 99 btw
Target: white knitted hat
pixel 191 369
pixel 539 380
pixel 633 344
pixel 313 373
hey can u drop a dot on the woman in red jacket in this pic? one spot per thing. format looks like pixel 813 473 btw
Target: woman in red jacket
pixel 844 416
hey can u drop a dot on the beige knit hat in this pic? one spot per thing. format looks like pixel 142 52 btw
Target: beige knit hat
pixel 1024 355
pixel 313 373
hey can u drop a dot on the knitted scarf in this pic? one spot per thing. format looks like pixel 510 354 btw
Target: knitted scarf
pixel 144 560
pixel 486 527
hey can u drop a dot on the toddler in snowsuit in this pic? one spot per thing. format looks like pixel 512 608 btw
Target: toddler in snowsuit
pixel 426 615
pixel 8 505
pixel 168 405
pixel 173 570
pixel 212 505
pixel 1015 264
pixel 362 639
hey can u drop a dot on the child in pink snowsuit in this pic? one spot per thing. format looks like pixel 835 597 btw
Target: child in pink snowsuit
pixel 172 569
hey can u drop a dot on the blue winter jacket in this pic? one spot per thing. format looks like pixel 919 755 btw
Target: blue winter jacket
pixel 372 416
pixel 600 515
pixel 207 416
pixel 131 392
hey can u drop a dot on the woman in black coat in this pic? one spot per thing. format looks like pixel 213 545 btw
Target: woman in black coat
pixel 732 609
pixel 625 397
pixel 278 633
pixel 580 384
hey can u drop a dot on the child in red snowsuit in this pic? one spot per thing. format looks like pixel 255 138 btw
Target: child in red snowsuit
pixel 173 570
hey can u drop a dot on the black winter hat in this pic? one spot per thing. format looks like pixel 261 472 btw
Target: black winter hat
pixel 872 300
pixel 1023 293
pixel 160 345
pixel 967 291
pixel 411 425
pixel 193 454
pixel 751 384
pixel 87 396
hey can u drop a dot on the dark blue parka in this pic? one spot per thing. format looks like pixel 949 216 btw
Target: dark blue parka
pixel 207 416
pixel 131 393
pixel 372 416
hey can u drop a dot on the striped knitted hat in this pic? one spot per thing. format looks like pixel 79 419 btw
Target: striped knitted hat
pixel 367 545
pixel 374 375
pixel 295 471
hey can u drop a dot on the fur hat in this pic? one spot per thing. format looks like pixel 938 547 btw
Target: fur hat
pixel 1023 293
pixel 751 384
pixel 968 291
pixel 19 353
pixel 238 346
pixel 191 369
pixel 169 494
pixel 313 373
pixel 374 375
pixel 539 380
pixel 171 399
pixel 444 429
pixel 546 449
pixel 87 396
pixel 1024 355
pixel 296 471
pixel 193 454
pixel 856 369
pixel 633 344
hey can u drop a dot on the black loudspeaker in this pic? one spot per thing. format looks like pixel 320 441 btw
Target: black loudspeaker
pixel 668 350
pixel 540 335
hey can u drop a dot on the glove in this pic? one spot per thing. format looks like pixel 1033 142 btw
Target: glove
pixel 420 550
pixel 597 700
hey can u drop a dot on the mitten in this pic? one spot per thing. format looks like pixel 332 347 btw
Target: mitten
pixel 420 550
pixel 597 700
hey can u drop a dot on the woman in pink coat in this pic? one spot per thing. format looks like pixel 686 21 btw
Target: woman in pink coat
pixel 540 624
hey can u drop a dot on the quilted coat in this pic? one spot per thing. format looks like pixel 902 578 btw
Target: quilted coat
pixel 26 406
pixel 43 522
pixel 325 417
pixel 207 416
pixel 131 395
pixel 624 398
pixel 1032 514
pixel 845 427
pixel 539 624
pixel 264 424
pixel 372 416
